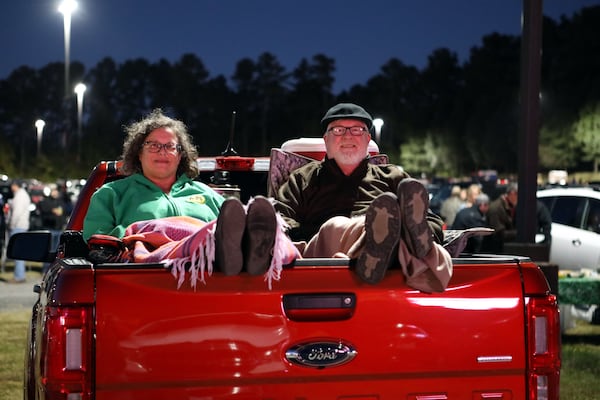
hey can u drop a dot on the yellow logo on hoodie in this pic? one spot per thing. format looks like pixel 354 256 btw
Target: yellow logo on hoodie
pixel 197 198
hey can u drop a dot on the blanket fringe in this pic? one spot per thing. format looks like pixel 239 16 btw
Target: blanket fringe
pixel 284 251
pixel 201 260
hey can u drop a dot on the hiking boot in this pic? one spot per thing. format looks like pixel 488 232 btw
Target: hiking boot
pixel 261 227
pixel 382 228
pixel 414 204
pixel 229 233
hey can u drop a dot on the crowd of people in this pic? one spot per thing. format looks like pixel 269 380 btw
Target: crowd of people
pixel 471 207
pixel 19 210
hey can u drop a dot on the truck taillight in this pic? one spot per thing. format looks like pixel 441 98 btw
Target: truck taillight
pixel 543 346
pixel 66 353
pixel 235 163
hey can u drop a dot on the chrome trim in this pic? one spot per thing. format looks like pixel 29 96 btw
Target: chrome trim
pixel 493 359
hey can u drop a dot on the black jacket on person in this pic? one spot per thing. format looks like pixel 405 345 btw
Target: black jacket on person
pixel 53 213
pixel 501 218
pixel 2 223
pixel 544 221
pixel 471 217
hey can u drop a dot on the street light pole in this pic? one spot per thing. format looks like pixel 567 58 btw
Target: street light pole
pixel 39 125
pixel 79 90
pixel 66 8
pixel 529 129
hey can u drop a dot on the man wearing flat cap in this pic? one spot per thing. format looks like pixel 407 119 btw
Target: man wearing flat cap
pixel 345 206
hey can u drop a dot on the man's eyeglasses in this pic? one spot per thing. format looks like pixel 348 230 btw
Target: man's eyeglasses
pixel 155 147
pixel 341 130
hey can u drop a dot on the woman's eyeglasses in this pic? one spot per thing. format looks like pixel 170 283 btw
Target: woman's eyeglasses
pixel 155 147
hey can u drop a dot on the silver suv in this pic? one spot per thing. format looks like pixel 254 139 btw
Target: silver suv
pixel 575 226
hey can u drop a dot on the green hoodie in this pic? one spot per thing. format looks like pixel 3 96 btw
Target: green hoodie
pixel 116 205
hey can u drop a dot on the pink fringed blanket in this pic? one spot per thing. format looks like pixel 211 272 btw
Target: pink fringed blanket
pixel 181 241
pixel 175 242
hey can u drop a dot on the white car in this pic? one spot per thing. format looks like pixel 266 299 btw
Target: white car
pixel 575 226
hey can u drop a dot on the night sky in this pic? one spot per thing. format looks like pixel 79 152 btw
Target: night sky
pixel 360 35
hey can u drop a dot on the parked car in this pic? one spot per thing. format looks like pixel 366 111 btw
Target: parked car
pixel 575 226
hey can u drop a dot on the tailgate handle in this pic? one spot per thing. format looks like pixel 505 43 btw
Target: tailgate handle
pixel 310 307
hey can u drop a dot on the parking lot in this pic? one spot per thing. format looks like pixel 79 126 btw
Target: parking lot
pixel 14 297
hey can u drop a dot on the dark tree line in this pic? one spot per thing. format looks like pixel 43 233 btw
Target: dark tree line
pixel 446 119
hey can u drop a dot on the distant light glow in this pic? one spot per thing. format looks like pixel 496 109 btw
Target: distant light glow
pixel 66 7
pixel 80 89
pixel 39 124
pixel 377 123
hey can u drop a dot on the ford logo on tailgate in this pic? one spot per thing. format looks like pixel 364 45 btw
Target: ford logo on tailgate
pixel 321 354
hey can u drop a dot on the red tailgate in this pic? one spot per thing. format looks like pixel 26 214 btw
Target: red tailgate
pixel 231 336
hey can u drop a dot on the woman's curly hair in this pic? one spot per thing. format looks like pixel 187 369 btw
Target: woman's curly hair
pixel 137 133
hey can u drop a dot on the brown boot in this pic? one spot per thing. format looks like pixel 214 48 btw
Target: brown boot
pixel 261 227
pixel 414 204
pixel 382 228
pixel 229 233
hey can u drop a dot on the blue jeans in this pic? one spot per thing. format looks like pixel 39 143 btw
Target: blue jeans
pixel 19 273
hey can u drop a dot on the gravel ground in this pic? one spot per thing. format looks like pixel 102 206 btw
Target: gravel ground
pixel 18 296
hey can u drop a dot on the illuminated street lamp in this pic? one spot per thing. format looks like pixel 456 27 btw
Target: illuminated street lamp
pixel 79 91
pixel 39 126
pixel 378 123
pixel 66 8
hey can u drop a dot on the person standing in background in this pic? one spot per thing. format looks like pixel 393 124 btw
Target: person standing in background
pixel 18 221
pixel 451 206
pixel 501 217
pixel 473 191
pixel 472 217
pixel 2 224
pixel 544 222
pixel 52 210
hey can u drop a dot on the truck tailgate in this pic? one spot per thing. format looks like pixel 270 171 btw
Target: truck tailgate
pixel 318 333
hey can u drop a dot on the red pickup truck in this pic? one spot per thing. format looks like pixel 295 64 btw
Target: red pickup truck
pixel 124 331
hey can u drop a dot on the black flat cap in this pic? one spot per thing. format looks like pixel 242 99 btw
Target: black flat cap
pixel 347 111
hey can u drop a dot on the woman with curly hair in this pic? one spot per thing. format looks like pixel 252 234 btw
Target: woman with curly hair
pixel 163 215
pixel 160 163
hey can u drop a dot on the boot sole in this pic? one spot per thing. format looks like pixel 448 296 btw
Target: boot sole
pixel 382 228
pixel 261 226
pixel 414 203
pixel 229 234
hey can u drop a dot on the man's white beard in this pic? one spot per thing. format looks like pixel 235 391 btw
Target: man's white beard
pixel 350 158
